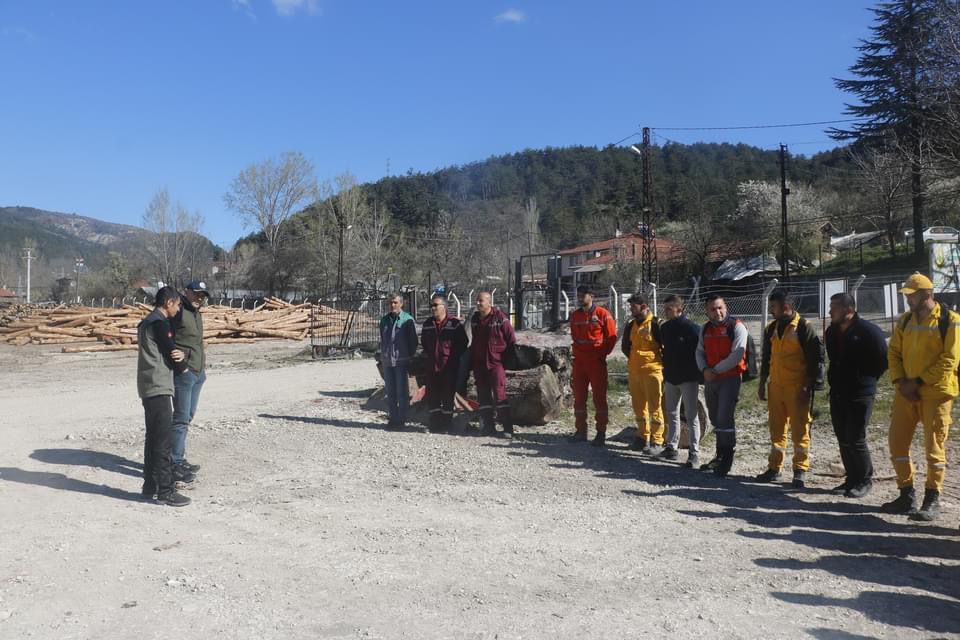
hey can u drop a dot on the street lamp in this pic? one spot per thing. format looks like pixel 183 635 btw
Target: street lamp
pixel 78 267
pixel 343 228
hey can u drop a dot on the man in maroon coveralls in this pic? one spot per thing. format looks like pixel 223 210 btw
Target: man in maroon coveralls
pixel 492 335
pixel 444 341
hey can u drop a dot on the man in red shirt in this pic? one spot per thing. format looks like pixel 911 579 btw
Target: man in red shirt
pixel 492 335
pixel 594 334
pixel 444 341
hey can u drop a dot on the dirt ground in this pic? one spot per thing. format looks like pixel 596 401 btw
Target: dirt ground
pixel 311 521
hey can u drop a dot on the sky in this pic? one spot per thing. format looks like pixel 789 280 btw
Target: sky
pixel 103 102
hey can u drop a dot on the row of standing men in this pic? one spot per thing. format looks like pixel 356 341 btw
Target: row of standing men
pixel 668 360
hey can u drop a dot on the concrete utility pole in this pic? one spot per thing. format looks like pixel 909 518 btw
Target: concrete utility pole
pixel 78 265
pixel 29 257
pixel 784 192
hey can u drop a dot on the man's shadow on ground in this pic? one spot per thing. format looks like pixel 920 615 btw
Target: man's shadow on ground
pixel 88 458
pixel 64 483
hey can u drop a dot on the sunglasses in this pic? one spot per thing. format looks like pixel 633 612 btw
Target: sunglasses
pixel 436 305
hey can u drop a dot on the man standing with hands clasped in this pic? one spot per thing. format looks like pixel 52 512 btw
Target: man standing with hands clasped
pixel 594 334
pixel 923 356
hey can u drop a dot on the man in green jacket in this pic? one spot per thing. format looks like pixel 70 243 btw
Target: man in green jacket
pixel 398 343
pixel 157 359
pixel 188 333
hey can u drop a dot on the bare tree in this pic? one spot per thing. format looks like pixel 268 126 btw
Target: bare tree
pixel 347 207
pixel 371 240
pixel 174 236
pixel 265 195
pixel 887 177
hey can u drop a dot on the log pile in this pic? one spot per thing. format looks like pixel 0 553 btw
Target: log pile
pixel 87 329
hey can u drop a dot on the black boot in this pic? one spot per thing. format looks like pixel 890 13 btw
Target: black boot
pixel 638 444
pixel 599 439
pixel 930 508
pixel 578 436
pixel 905 503
pixel 725 462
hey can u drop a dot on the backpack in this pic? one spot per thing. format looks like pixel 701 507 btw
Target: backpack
pixel 943 324
pixel 803 325
pixel 753 369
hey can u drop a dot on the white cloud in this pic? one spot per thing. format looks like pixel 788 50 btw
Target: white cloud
pixel 512 16
pixel 245 6
pixel 291 7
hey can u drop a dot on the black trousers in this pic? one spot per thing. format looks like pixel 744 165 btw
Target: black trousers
pixel 157 468
pixel 440 389
pixel 850 417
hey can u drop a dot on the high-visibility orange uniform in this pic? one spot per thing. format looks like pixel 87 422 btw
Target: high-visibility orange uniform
pixel 594 335
pixel 917 351
pixel 791 358
pixel 645 377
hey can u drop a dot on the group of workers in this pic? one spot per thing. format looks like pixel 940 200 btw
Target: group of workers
pixel 171 370
pixel 669 359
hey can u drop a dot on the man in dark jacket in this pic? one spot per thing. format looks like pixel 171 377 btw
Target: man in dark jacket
pixel 491 336
pixel 858 357
pixel 398 343
pixel 444 342
pixel 188 333
pixel 157 359
pixel 679 336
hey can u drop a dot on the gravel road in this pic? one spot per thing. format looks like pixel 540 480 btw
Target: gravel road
pixel 311 521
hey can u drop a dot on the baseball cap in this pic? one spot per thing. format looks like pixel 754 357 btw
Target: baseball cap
pixel 199 286
pixel 637 298
pixel 915 283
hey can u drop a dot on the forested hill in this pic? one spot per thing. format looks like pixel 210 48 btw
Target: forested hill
pixel 584 190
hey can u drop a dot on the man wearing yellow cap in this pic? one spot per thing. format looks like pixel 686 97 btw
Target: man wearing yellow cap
pixel 923 355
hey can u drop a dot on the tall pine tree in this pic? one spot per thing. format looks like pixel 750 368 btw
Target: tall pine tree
pixel 894 83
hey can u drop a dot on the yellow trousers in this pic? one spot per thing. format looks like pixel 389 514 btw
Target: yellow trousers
pixel 935 416
pixel 646 393
pixel 787 410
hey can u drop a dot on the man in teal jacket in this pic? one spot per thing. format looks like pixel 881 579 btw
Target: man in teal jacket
pixel 398 343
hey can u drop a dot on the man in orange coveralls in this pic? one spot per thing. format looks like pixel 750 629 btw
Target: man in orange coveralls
pixel 594 334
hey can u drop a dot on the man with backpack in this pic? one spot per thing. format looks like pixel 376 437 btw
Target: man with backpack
pixel 679 336
pixel 923 356
pixel 594 334
pixel 858 357
pixel 722 358
pixel 641 344
pixel 792 364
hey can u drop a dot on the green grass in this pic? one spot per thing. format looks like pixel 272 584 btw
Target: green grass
pixel 876 259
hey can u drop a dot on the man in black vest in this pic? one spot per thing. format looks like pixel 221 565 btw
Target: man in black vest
pixel 858 357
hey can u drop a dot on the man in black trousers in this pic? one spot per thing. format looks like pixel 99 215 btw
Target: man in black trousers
pixel 858 357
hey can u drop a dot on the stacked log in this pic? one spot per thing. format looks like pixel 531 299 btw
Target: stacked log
pixel 88 329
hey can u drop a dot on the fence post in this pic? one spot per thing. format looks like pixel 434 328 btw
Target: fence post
pixel 653 297
pixel 765 303
pixel 456 301
pixel 616 304
pixel 856 287
pixel 492 294
pixel 566 304
pixel 243 302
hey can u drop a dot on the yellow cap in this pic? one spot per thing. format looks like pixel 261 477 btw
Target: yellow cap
pixel 915 283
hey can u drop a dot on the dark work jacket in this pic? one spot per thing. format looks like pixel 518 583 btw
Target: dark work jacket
pixel 855 368
pixel 679 339
pixel 490 338
pixel 443 345
pixel 188 330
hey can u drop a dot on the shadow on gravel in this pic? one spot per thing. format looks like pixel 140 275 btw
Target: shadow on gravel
pixel 935 615
pixel 327 422
pixel 88 458
pixel 63 483
pixel 363 394
pixel 836 634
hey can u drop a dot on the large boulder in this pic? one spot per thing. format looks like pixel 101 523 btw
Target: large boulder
pixel 535 395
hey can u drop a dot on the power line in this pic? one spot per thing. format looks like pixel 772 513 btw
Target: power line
pixel 757 126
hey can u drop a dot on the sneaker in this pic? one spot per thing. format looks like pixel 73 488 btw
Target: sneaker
pixel 859 490
pixel 669 453
pixel 930 508
pixel 173 499
pixel 711 465
pixel 799 479
pixel 578 436
pixel 638 444
pixel 905 503
pixel 770 475
pixel 599 440
pixel 692 462
pixel 193 468
pixel 652 450
pixel 181 474
pixel 842 489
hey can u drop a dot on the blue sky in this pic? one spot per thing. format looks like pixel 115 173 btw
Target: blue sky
pixel 103 102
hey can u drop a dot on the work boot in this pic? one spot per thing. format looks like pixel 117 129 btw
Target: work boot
pixel 579 436
pixel 669 453
pixel 711 464
pixel 192 468
pixel 599 440
pixel 799 479
pixel 725 462
pixel 652 450
pixel 930 508
pixel 148 492
pixel 507 432
pixel 181 474
pixel 489 430
pixel 770 475
pixel 692 462
pixel 173 499
pixel 905 503
pixel 638 444
pixel 842 489
pixel 859 490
